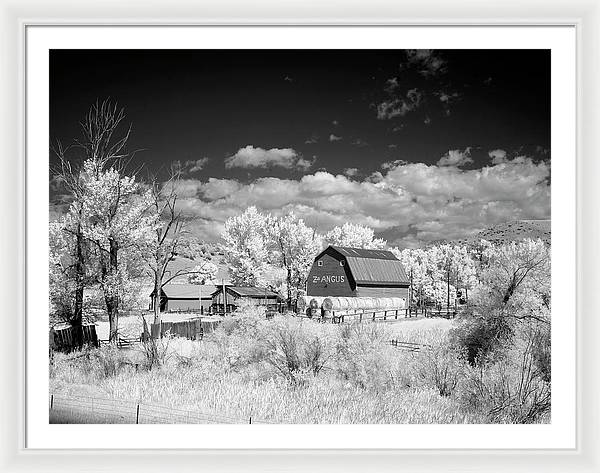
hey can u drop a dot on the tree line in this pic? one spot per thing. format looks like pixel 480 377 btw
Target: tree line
pixel 119 230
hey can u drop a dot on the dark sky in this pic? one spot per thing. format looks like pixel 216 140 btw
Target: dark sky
pixel 190 104
pixel 327 110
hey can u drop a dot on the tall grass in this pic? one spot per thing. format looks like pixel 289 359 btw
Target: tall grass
pixel 290 370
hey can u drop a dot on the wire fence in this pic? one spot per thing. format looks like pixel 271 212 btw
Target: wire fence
pixel 65 409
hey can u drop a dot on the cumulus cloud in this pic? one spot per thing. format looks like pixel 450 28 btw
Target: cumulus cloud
pixel 190 166
pixel 498 156
pixel 312 139
pixel 251 157
pixel 360 143
pixel 428 62
pixel 333 137
pixel 456 157
pixel 399 106
pixel 197 165
pixel 394 164
pixel 391 85
pixel 410 203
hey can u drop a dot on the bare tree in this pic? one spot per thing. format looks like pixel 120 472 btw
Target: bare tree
pixel 167 235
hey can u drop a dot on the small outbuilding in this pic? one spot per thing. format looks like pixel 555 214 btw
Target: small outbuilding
pixel 234 295
pixel 355 272
pixel 184 298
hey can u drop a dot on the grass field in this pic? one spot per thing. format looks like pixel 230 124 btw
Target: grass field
pixel 286 370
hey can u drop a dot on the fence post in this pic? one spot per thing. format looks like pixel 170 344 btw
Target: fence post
pixel 52 401
pixel 385 315
pixel 137 414
pixel 250 420
pixel 396 314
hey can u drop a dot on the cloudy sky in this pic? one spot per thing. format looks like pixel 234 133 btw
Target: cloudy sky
pixel 418 144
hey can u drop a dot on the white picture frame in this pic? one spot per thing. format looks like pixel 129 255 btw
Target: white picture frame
pixel 584 16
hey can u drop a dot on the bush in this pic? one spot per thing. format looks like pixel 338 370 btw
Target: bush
pixel 365 357
pixel 509 389
pixel 296 348
pixel 441 367
pixel 479 335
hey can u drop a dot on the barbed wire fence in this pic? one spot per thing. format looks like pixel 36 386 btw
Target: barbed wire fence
pixel 64 409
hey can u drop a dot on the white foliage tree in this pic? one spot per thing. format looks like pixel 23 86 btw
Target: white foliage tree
pixel 354 236
pixel 295 247
pixel 117 224
pixel 518 276
pixel 205 272
pixel 246 248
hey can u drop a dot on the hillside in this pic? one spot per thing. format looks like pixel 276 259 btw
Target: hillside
pixel 517 230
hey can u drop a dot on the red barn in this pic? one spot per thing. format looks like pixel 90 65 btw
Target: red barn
pixel 354 272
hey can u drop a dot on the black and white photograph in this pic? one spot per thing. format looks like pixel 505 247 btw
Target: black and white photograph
pixel 299 236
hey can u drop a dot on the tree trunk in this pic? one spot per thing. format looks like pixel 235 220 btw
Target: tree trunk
pixel 77 321
pixel 289 288
pixel 509 292
pixel 157 297
pixel 448 280
pixel 111 295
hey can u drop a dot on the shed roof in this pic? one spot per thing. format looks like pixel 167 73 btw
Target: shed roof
pixel 247 291
pixel 187 291
pixel 372 266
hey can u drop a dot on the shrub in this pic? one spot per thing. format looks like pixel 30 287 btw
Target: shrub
pixel 479 335
pixel 296 348
pixel 509 389
pixel 441 367
pixel 365 357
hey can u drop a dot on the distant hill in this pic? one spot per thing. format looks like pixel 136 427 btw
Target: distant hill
pixel 183 264
pixel 517 230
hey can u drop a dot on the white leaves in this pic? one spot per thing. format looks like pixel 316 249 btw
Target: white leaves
pixel 203 273
pixel 354 236
pixel 114 208
pixel 265 250
pixel 246 247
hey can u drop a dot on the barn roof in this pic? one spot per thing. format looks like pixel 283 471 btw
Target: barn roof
pixel 363 253
pixel 247 291
pixel 372 266
pixel 187 291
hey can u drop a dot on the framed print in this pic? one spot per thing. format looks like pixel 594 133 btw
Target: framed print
pixel 308 243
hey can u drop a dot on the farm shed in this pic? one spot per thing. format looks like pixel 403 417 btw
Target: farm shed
pixel 235 294
pixel 355 272
pixel 184 298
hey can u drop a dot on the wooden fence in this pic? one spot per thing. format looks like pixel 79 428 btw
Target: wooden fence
pixel 409 346
pixel 379 315
pixel 194 329
pixel 65 339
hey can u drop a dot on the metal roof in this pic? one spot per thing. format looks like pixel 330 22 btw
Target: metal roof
pixel 377 271
pixel 372 266
pixel 246 291
pixel 187 291
pixel 363 253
